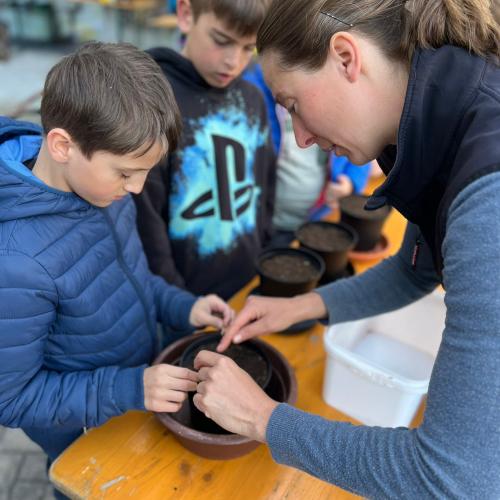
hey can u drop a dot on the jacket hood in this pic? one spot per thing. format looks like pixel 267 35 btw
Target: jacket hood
pixel 176 66
pixel 21 193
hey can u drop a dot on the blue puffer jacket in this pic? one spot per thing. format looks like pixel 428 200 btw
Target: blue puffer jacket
pixel 78 305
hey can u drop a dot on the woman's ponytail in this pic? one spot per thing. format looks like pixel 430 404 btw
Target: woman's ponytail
pixel 470 24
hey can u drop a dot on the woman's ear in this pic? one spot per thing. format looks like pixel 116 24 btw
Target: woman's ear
pixel 345 53
pixel 59 145
pixel 185 19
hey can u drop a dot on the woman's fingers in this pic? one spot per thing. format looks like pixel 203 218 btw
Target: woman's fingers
pixel 247 315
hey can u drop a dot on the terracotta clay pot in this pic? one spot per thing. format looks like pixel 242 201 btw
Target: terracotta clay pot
pixel 331 242
pixel 282 387
pixel 367 223
pixel 286 272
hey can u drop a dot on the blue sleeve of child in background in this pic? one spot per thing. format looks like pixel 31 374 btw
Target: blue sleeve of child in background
pixel 171 6
pixel 358 174
pixel 254 75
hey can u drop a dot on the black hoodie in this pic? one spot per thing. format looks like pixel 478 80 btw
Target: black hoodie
pixel 205 213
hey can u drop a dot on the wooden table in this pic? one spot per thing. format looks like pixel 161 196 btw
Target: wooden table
pixel 165 21
pixel 138 9
pixel 127 5
pixel 134 456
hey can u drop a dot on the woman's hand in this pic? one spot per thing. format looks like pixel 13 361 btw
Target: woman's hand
pixel 166 387
pixel 260 315
pixel 268 314
pixel 211 310
pixel 230 397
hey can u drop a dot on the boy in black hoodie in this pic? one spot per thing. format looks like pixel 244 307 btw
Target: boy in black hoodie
pixel 206 212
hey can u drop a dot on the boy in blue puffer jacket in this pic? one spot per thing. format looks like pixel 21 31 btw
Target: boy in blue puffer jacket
pixel 78 304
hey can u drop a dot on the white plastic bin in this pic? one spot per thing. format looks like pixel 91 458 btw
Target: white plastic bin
pixel 378 368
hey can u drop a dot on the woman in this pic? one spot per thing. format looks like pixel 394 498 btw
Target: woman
pixel 415 84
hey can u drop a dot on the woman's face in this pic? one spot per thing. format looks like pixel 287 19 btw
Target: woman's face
pixel 336 107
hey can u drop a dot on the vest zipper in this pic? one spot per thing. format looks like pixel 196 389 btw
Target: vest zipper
pixel 416 252
pixel 131 277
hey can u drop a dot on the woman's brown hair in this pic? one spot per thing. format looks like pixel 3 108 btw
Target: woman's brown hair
pixel 299 31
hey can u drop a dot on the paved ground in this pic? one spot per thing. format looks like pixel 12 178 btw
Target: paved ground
pixel 22 468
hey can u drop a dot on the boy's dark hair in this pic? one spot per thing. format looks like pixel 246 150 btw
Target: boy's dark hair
pixel 242 16
pixel 112 98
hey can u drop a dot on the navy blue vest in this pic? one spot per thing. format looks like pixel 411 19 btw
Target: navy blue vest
pixel 449 136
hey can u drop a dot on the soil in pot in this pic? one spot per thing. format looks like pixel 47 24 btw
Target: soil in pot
pixel 367 223
pixel 285 272
pixel 332 242
pixel 324 237
pixel 290 268
pixel 247 356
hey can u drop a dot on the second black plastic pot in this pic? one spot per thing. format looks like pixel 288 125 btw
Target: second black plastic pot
pixel 309 269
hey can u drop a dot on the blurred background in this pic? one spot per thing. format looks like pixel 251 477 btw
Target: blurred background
pixel 35 34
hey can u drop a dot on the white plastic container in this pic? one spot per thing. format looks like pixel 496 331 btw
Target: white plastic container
pixel 378 368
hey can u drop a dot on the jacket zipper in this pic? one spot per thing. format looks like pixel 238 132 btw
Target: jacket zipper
pixel 416 252
pixel 130 276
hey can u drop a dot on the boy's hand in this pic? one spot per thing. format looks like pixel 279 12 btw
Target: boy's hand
pixel 166 387
pixel 338 190
pixel 211 311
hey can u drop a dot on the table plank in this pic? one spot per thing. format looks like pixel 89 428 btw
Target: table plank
pixel 126 5
pixel 165 21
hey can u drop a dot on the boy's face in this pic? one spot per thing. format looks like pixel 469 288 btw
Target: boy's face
pixel 219 54
pixel 107 177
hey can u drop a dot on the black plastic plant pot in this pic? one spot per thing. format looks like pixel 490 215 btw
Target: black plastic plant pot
pixel 332 242
pixel 248 356
pixel 286 272
pixel 367 223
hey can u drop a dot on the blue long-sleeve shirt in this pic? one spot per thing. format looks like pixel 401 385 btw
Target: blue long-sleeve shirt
pixel 455 453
